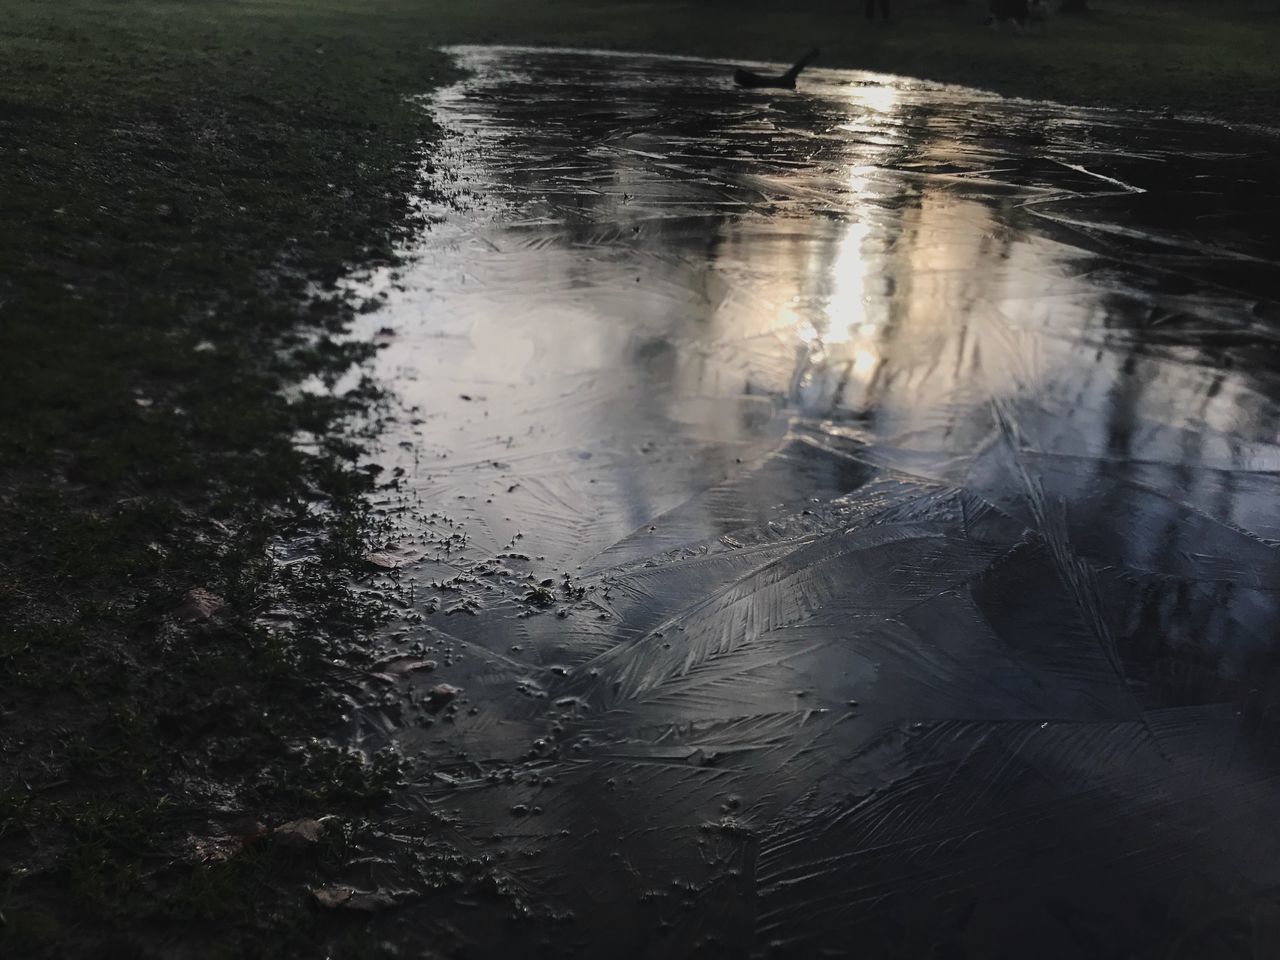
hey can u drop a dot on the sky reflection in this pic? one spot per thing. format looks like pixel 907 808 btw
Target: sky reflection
pixel 909 536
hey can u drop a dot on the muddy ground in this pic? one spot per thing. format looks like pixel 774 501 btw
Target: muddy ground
pixel 176 184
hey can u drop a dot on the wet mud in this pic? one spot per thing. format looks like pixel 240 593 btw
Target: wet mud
pixel 835 523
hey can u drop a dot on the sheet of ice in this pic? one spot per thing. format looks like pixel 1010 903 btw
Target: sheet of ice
pixel 850 516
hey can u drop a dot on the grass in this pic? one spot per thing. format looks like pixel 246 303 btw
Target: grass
pixel 176 177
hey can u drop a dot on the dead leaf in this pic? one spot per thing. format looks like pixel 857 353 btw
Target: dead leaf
pixel 440 695
pixel 199 604
pixel 339 896
pixel 248 829
pixel 298 834
pixel 399 666
pixel 209 849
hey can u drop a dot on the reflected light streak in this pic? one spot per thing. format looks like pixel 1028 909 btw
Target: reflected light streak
pixel 880 99
pixel 864 361
pixel 846 309
pixel 839 333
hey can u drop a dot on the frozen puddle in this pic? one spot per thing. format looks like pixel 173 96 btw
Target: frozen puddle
pixel 849 515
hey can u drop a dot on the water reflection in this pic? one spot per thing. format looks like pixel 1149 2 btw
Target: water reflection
pixel 856 513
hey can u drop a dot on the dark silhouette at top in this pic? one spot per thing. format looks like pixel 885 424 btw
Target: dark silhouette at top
pixel 786 81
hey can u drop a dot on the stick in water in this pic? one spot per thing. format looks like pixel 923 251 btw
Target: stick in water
pixel 786 81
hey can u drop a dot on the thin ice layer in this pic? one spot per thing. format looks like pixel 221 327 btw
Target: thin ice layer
pixel 848 514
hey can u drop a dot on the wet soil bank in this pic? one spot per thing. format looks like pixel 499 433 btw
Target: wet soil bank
pixel 176 180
